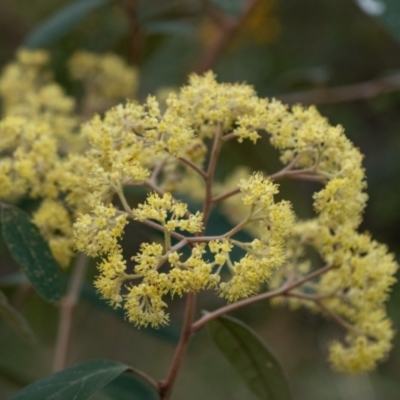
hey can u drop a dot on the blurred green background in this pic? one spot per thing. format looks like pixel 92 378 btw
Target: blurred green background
pixel 308 47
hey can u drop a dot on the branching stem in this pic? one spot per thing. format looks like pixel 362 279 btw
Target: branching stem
pixel 311 297
pixel 336 317
pixel 152 185
pixel 194 167
pixel 255 299
pixel 210 173
pixel 144 376
pixel 165 387
pixel 199 239
pixel 340 94
pixel 287 171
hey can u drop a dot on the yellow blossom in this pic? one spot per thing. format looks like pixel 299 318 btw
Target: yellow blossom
pixel 145 306
pixel 106 78
pixel 147 259
pixel 28 90
pixel 156 147
pixel 98 233
pixel 54 223
pixel 169 213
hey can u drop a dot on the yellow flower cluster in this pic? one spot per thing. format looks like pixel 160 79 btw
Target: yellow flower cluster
pixel 37 126
pixel 144 303
pixel 158 208
pixel 205 109
pixel 54 222
pixel 106 78
pixel 207 104
pixel 358 284
pixel 29 155
pixel 43 156
pixel 37 130
pixel 355 290
pixel 193 274
pixel 132 138
pixel 28 90
pixel 140 127
pixel 274 222
pixel 98 234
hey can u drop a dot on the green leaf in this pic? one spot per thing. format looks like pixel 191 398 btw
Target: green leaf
pixel 129 387
pixel 251 358
pixel 386 11
pixel 31 252
pixel 16 320
pixel 78 383
pixel 62 22
pixel 233 7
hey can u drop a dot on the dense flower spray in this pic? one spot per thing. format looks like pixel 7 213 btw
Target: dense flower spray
pixel 81 176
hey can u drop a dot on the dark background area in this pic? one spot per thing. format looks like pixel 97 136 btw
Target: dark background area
pixel 343 56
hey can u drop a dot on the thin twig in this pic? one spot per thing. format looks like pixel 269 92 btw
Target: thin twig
pixel 144 376
pixel 179 245
pixel 224 196
pixel 156 171
pixel 310 297
pixel 306 177
pixel 165 387
pixel 287 171
pixel 317 299
pixel 289 168
pixel 263 296
pixel 210 173
pixel 194 167
pixel 125 204
pixel 237 228
pixel 135 34
pixel 357 91
pixel 67 305
pixel 150 184
pixel 160 228
pixel 336 317
pixel 229 136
